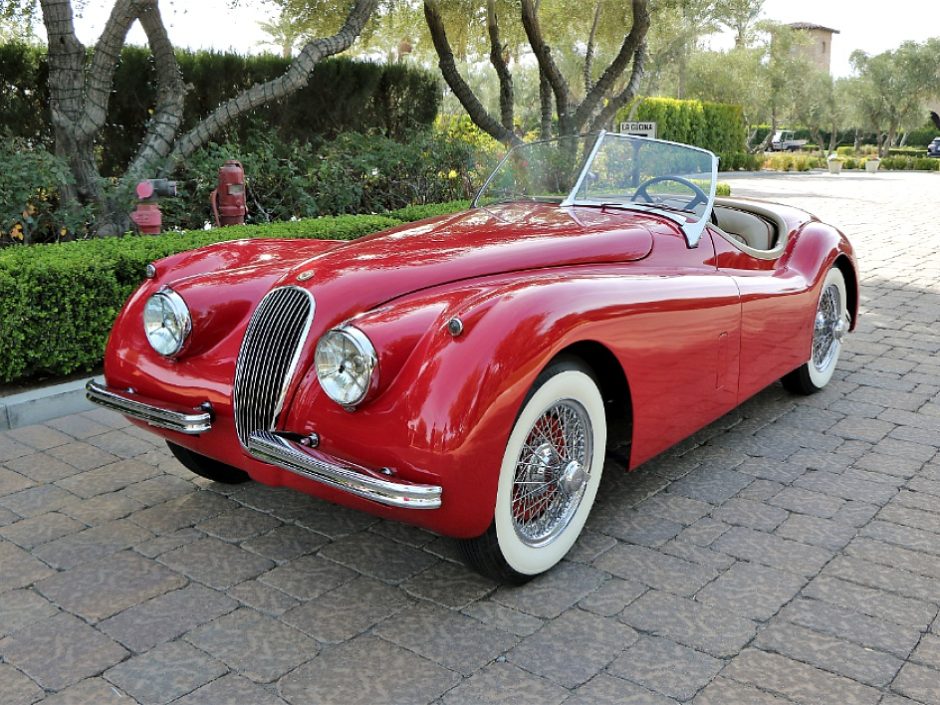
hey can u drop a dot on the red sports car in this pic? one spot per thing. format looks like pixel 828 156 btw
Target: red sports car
pixel 468 373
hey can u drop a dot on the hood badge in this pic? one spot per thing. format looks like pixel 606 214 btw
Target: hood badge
pixel 304 276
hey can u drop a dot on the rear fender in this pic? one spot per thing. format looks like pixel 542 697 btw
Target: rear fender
pixel 819 247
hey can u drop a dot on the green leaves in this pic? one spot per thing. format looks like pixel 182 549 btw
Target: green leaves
pixel 354 173
pixel 30 208
pixel 892 88
pixel 59 301
pixel 713 126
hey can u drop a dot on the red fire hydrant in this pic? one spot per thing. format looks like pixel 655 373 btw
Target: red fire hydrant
pixel 147 215
pixel 228 200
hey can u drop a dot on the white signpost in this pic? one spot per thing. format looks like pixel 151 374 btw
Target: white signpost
pixel 639 129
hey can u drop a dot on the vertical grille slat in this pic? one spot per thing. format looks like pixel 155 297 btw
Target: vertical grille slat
pixel 268 358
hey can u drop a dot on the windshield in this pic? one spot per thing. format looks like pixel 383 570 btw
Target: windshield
pixel 610 170
pixel 545 171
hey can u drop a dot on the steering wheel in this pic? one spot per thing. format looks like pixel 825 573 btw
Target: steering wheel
pixel 699 195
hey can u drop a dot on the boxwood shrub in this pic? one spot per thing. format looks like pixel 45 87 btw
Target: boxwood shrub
pixel 718 127
pixel 904 163
pixel 60 300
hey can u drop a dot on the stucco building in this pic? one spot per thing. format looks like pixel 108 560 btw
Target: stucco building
pixel 819 48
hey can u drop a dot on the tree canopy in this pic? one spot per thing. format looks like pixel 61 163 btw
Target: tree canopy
pixel 892 88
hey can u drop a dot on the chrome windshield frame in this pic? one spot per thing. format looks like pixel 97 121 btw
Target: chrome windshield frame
pixel 579 182
pixel 691 229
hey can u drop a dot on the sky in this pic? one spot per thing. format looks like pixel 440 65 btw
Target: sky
pixel 866 26
pixel 873 27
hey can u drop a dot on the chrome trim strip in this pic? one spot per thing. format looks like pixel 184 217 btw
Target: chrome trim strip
pixel 313 465
pixel 131 405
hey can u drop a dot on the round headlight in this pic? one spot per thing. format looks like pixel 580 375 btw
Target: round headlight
pixel 345 362
pixel 166 322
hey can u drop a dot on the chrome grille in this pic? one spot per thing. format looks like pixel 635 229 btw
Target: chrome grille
pixel 268 358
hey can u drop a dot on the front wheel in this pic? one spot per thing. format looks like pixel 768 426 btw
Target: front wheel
pixel 829 328
pixel 548 477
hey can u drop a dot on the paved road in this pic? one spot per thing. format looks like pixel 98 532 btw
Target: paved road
pixel 790 552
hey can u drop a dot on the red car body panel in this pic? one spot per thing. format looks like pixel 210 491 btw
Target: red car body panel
pixel 696 331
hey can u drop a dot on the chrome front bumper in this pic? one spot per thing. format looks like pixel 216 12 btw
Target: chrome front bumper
pixel 131 404
pixel 357 480
pixel 276 450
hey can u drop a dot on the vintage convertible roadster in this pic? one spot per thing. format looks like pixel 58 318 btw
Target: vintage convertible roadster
pixel 468 373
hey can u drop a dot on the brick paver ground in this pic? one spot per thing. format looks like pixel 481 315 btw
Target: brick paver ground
pixel 788 553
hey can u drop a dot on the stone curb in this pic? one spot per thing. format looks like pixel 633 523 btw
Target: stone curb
pixel 38 405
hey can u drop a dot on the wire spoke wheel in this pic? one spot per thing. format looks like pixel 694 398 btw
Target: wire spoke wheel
pixel 551 472
pixel 830 325
pixel 548 476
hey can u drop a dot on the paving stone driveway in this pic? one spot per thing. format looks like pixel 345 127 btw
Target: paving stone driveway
pixel 788 553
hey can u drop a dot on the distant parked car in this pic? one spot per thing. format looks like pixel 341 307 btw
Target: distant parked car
pixel 933 149
pixel 783 141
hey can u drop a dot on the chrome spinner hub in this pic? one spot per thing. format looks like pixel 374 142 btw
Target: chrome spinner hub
pixel 573 478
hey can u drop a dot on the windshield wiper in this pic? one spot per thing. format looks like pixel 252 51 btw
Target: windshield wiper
pixel 676 214
pixel 644 206
pixel 525 198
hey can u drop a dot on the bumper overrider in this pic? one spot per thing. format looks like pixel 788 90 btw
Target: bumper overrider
pixel 276 450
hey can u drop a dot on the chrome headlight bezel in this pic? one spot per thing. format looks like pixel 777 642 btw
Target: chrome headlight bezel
pixel 339 350
pixel 171 307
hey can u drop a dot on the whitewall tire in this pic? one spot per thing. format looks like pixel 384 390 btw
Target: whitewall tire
pixel 830 325
pixel 548 477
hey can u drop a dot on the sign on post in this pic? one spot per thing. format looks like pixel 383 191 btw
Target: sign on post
pixel 639 129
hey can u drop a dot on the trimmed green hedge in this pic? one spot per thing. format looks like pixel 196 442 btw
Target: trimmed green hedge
pixel 905 163
pixel 60 300
pixel 718 127
pixel 343 95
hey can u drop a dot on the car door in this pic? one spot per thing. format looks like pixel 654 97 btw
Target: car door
pixel 683 350
pixel 774 304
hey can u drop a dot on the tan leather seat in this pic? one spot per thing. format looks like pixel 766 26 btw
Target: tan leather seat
pixel 752 230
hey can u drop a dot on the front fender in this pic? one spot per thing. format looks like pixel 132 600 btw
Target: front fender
pixel 245 270
pixel 446 416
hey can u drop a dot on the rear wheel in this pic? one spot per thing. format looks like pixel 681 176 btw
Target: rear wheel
pixel 829 328
pixel 207 467
pixel 548 477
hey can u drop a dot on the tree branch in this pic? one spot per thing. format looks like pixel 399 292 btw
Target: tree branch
pixel 66 62
pixel 168 111
pixel 627 94
pixel 499 63
pixel 589 54
pixel 452 76
pixel 545 104
pixel 629 49
pixel 547 65
pixel 296 77
pixel 104 62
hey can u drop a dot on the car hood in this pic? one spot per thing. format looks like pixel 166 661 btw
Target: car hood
pixel 367 272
